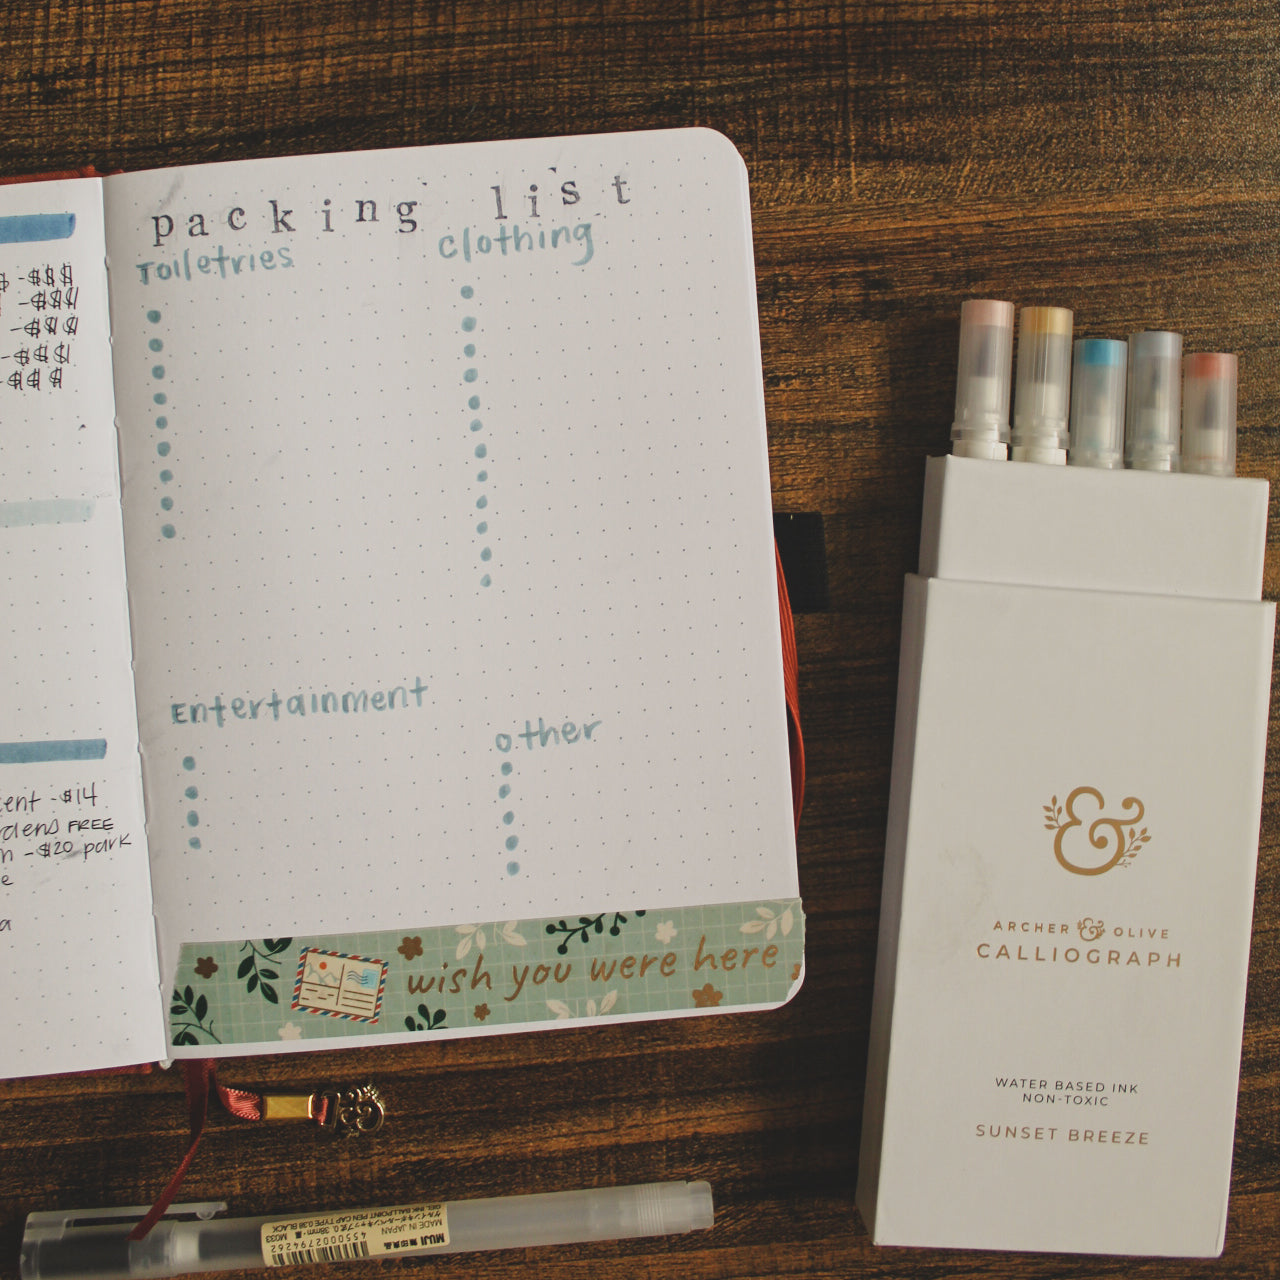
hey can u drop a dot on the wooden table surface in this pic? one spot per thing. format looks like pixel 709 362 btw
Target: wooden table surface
pixel 1115 157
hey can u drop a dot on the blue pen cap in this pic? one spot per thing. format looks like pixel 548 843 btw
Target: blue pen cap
pixel 1098 372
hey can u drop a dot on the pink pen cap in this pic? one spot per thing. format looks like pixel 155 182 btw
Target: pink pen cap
pixel 984 379
pixel 1209 414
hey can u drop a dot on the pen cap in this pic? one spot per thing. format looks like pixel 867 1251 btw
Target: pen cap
pixel 1097 403
pixel 1154 410
pixel 983 380
pixel 72 1244
pixel 1209 414
pixel 1040 427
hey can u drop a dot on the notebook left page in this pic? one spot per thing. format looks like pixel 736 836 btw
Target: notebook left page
pixel 77 938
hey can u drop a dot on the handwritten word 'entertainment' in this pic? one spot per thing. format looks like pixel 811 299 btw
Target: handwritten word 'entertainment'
pixel 222 712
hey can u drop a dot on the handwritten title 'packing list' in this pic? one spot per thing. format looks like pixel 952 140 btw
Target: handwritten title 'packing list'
pixel 444 473
pixel 507 236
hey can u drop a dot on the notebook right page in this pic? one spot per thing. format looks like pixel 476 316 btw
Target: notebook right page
pixel 451 572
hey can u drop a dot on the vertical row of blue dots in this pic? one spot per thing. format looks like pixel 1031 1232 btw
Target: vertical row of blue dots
pixel 477 425
pixel 508 817
pixel 160 399
pixel 193 818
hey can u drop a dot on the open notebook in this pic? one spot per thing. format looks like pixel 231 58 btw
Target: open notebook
pixel 391 642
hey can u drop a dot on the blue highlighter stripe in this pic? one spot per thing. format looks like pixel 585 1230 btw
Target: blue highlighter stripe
pixel 28 228
pixel 44 752
pixel 16 515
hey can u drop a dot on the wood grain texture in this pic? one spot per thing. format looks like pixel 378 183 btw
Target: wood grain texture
pixel 1119 158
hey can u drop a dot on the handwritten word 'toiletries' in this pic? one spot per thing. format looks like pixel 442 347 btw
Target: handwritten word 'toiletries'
pixel 217 265
pixel 352 702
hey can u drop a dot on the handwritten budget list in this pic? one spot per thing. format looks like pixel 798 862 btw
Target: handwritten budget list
pixel 72 827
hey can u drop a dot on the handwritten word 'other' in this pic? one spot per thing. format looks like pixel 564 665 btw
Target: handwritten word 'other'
pixel 548 736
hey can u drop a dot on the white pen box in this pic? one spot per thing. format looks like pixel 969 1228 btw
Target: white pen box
pixel 1071 849
pixel 1146 531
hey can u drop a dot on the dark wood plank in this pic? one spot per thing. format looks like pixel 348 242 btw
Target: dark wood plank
pixel 1116 157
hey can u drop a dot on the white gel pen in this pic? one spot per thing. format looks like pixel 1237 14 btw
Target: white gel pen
pixel 983 380
pixel 1209 414
pixel 1097 403
pixel 1154 409
pixel 95 1244
pixel 1040 428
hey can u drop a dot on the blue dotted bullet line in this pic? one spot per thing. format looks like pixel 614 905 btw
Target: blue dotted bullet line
pixel 508 817
pixel 160 399
pixel 191 793
pixel 470 375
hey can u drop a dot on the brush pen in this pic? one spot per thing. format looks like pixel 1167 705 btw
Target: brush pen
pixel 984 377
pixel 1209 414
pixel 1097 403
pixel 1153 412
pixel 1043 389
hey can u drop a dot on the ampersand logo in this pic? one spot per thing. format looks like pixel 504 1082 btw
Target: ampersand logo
pixel 1114 841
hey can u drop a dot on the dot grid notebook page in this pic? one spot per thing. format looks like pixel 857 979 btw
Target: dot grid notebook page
pixel 447 517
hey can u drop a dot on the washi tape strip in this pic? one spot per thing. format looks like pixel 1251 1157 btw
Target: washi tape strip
pixel 460 979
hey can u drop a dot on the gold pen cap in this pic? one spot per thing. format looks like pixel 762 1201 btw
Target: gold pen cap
pixel 1042 393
